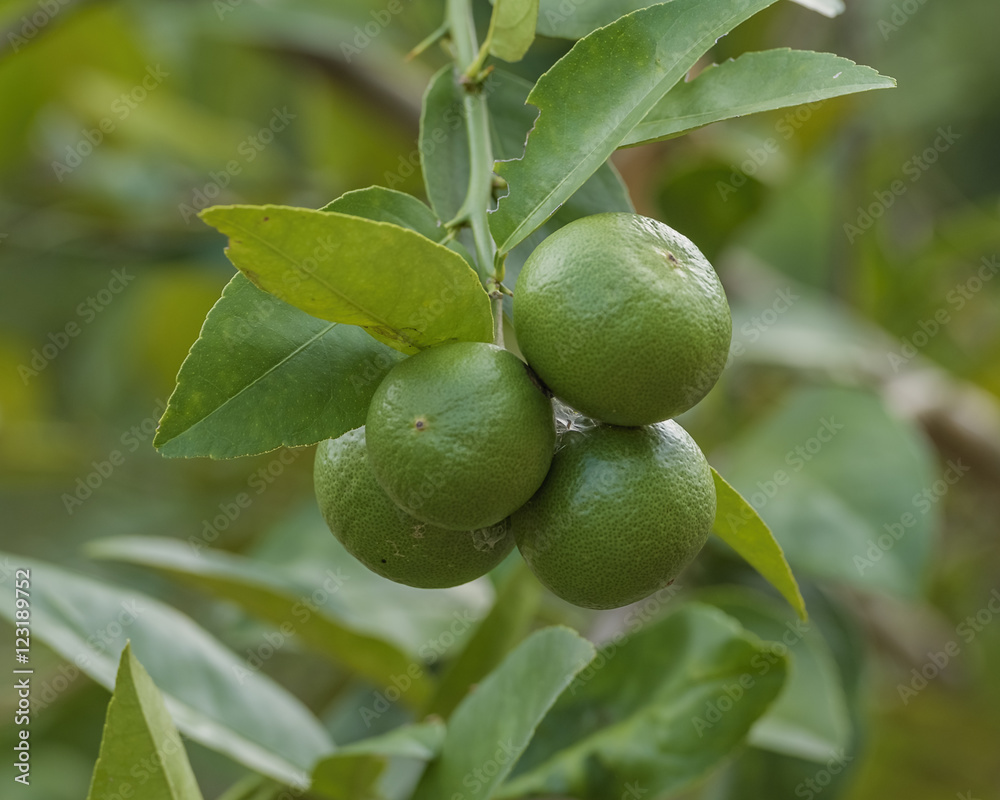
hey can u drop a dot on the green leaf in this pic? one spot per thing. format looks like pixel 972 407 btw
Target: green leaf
pixel 563 20
pixel 387 205
pixel 752 83
pixel 510 122
pixel 596 94
pixel 264 374
pixel 505 625
pixel 384 767
pixel 401 287
pixel 444 146
pixel 658 708
pixel 512 28
pixel 809 719
pixel 739 526
pixel 213 696
pixel 262 592
pixel 140 740
pixel 847 488
pixel 492 726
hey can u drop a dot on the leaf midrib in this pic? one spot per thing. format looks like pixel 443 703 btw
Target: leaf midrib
pixel 253 383
pixel 322 282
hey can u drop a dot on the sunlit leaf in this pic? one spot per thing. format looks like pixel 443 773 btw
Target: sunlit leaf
pixel 140 745
pixel 401 287
pixel 596 94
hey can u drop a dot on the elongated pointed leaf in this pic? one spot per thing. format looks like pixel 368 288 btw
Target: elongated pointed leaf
pixel 263 593
pixel 384 767
pixel 404 289
pixel 512 28
pixel 739 525
pixel 501 629
pixel 213 696
pixel 657 709
pixel 264 374
pixel 752 83
pixel 574 20
pixel 444 145
pixel 596 94
pixel 493 725
pixel 141 745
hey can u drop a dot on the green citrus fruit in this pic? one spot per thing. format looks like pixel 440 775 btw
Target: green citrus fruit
pixel 623 318
pixel 621 513
pixel 385 538
pixel 460 435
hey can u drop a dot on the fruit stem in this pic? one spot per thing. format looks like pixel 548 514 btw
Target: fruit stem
pixel 496 304
pixel 480 192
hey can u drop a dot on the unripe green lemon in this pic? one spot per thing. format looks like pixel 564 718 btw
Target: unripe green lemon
pixel 385 538
pixel 623 318
pixel 621 513
pixel 460 435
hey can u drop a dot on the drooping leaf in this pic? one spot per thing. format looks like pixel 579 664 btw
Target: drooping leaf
pixel 658 708
pixel 596 94
pixel 444 145
pixel 264 374
pixel 403 288
pixel 213 696
pixel 512 28
pixel 752 83
pixel 849 490
pixel 384 767
pixel 492 726
pixel 740 526
pixel 494 637
pixel 264 593
pixel 810 718
pixel 140 745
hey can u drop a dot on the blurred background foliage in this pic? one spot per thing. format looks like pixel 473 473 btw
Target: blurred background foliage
pixel 890 329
